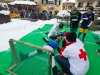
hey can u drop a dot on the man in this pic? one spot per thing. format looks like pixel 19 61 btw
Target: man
pixel 88 19
pixel 53 32
pixel 75 17
pixel 51 45
pixel 73 58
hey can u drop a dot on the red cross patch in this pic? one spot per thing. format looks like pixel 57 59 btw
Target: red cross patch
pixel 82 55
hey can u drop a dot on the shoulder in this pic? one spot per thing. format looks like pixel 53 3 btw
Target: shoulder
pixel 85 13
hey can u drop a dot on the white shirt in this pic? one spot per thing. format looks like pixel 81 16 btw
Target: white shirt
pixel 53 30
pixel 77 57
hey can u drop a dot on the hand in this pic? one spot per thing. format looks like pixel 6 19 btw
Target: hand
pixel 88 25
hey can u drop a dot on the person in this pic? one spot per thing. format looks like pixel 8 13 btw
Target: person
pixel 73 58
pixel 88 18
pixel 53 32
pixel 75 17
pixel 51 45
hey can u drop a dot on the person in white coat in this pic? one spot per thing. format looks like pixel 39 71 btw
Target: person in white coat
pixel 73 58
pixel 53 32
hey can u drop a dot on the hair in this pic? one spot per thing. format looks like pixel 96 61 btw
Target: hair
pixel 91 8
pixel 74 8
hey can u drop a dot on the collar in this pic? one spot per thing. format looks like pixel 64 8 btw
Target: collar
pixel 70 43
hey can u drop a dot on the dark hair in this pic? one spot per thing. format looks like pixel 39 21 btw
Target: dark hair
pixel 71 36
pixel 61 25
pixel 91 8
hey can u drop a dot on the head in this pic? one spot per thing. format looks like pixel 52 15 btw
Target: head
pixel 74 10
pixel 61 25
pixel 90 9
pixel 71 37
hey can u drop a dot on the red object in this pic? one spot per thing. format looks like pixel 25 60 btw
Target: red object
pixel 67 44
pixel 82 55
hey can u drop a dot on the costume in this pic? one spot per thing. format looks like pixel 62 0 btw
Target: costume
pixel 73 58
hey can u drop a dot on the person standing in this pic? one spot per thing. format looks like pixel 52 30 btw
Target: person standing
pixel 73 58
pixel 75 17
pixel 88 18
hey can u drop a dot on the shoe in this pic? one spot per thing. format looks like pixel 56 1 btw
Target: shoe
pixel 23 56
pixel 98 51
pixel 57 72
pixel 47 33
pixel 99 54
pixel 98 43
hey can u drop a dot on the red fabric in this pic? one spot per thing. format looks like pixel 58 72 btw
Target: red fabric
pixel 82 55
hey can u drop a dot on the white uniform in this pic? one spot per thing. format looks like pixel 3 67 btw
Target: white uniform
pixel 77 57
pixel 53 30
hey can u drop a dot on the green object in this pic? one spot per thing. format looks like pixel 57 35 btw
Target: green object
pixel 38 64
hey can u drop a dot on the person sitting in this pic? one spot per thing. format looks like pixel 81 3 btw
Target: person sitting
pixel 73 58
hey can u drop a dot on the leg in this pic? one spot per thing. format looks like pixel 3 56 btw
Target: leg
pixel 81 30
pixel 79 34
pixel 25 56
pixel 84 34
pixel 75 29
pixel 54 67
pixel 71 29
pixel 64 63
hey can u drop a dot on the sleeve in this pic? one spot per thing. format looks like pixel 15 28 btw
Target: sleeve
pixel 84 17
pixel 93 17
pixel 65 53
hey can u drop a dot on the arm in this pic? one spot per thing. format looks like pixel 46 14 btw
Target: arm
pixel 90 23
pixel 92 19
pixel 45 40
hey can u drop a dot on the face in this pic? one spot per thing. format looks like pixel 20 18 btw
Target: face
pixel 89 11
pixel 73 11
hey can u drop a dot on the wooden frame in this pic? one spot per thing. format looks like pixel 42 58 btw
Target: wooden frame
pixel 11 43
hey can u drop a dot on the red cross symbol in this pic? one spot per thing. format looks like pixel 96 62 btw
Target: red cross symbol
pixel 82 55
